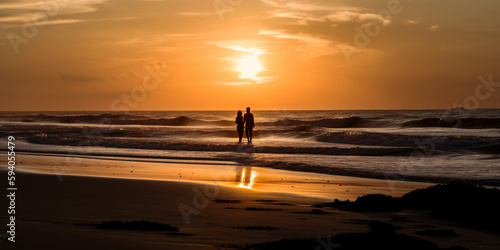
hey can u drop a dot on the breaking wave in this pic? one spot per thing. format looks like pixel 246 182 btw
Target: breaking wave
pixel 467 123
pixel 398 140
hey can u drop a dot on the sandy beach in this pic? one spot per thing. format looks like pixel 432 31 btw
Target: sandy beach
pixel 61 208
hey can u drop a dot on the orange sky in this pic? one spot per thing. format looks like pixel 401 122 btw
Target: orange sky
pixel 267 54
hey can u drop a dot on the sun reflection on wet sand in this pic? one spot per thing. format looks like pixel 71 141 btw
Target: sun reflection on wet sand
pixel 247 178
pixel 236 176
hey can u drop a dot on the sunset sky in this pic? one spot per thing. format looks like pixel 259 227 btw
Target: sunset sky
pixel 230 54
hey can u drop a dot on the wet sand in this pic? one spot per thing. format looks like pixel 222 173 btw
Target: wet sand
pixel 220 173
pixel 58 206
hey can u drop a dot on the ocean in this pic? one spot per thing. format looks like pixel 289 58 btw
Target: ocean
pixel 414 145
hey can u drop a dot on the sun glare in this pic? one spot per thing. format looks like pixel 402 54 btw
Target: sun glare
pixel 249 66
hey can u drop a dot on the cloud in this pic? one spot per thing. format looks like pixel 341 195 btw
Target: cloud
pixel 412 22
pixel 433 27
pixel 67 7
pixel 80 78
pixel 38 20
pixel 60 6
pixel 303 12
pixel 308 46
pixel 253 80
pixel 301 18
pixel 236 46
pixel 45 12
pixel 20 5
pixel 193 14
pixel 262 79
pixel 343 16
pixel 62 21
pixel 375 17
pixel 302 5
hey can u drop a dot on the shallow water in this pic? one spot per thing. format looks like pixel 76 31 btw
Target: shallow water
pixel 435 145
pixel 224 174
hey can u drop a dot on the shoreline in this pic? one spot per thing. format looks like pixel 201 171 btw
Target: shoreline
pixel 262 179
pixel 296 167
pixel 71 208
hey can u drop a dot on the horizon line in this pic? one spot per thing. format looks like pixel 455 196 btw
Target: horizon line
pixel 198 110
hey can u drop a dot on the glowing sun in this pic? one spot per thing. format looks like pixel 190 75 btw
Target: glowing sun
pixel 249 66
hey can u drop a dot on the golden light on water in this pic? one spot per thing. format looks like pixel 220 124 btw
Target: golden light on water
pixel 247 179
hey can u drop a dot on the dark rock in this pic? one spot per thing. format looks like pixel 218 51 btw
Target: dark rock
pixel 136 225
pixel 442 233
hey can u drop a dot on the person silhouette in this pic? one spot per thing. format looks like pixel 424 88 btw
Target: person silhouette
pixel 249 124
pixel 240 124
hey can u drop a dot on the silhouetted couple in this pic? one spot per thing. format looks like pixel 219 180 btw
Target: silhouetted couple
pixel 245 122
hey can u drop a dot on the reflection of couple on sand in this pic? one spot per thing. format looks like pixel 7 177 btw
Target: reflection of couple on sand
pixel 245 176
pixel 245 122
